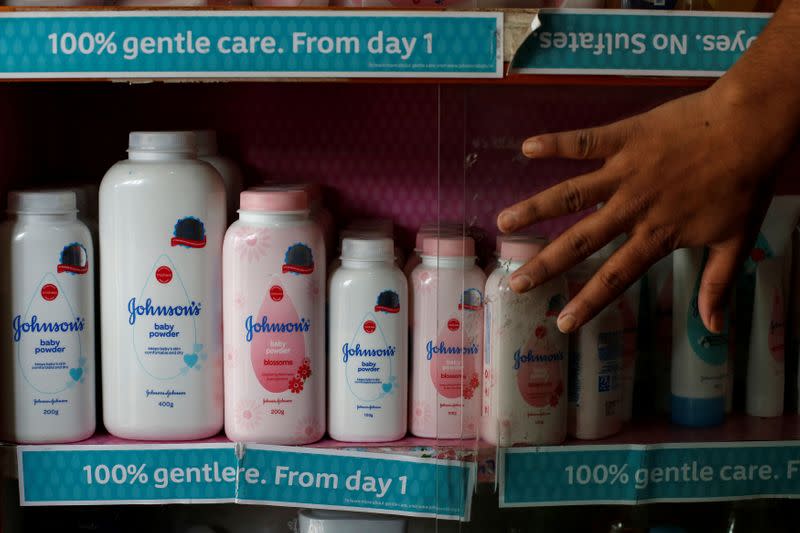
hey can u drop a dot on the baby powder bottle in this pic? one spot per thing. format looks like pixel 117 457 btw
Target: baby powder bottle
pixel 595 364
pixel 447 340
pixel 231 175
pixel 367 348
pixel 47 299
pixel 162 218
pixel 525 363
pixel 274 320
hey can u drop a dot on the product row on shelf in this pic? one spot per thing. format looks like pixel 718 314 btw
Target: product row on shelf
pixel 705 5
pixel 199 326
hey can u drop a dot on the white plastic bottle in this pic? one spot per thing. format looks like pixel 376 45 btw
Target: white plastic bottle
pixel 274 320
pixel 525 366
pixel 765 364
pixel 595 364
pixel 47 312
pixel 447 340
pixel 367 348
pixel 208 151
pixel 162 218
pixel 699 357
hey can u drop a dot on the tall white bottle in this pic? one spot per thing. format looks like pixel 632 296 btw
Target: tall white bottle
pixel 525 362
pixel 162 218
pixel 208 151
pixel 595 365
pixel 47 312
pixel 367 348
pixel 274 293
pixel 447 340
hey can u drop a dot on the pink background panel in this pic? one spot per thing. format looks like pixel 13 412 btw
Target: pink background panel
pixel 403 151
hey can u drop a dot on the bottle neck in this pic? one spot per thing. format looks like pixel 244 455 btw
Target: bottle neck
pixel 365 265
pixel 261 217
pixel 448 262
pixel 146 155
pixel 510 265
pixel 46 218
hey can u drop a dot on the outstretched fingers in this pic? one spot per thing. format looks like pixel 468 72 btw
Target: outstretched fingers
pixel 570 248
pixel 591 143
pixel 570 196
pixel 627 265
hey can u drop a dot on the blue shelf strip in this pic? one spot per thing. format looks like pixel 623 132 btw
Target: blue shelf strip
pixel 249 44
pixel 235 473
pixel 640 43
pixel 631 474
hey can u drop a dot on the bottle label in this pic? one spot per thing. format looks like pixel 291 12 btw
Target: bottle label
pixel 537 366
pixel 49 342
pixel 369 357
pixel 455 355
pixel 777 327
pixel 164 320
pixel 277 337
pixel 609 351
pixel 710 347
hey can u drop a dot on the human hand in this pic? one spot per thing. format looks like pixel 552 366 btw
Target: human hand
pixel 692 172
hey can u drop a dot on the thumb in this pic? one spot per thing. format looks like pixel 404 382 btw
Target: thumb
pixel 718 277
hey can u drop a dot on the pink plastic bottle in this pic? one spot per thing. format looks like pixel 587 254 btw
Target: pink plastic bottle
pixel 274 320
pixel 447 340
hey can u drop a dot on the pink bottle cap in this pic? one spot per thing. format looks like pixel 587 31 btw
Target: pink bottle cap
pixel 521 250
pixel 273 200
pixel 448 246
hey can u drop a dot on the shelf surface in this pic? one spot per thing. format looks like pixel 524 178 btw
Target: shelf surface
pixel 745 458
pixel 412 477
pixel 650 461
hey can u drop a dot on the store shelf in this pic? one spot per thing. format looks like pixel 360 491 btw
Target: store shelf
pixel 514 46
pixel 745 458
pixel 413 477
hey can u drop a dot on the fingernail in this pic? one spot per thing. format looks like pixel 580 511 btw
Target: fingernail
pixel 566 323
pixel 717 322
pixel 532 147
pixel 506 220
pixel 520 283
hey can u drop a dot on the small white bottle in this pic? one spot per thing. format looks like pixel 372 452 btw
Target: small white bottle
pixel 447 340
pixel 47 309
pixel 367 348
pixel 525 368
pixel 274 320
pixel 162 218
pixel 208 151
pixel 595 361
